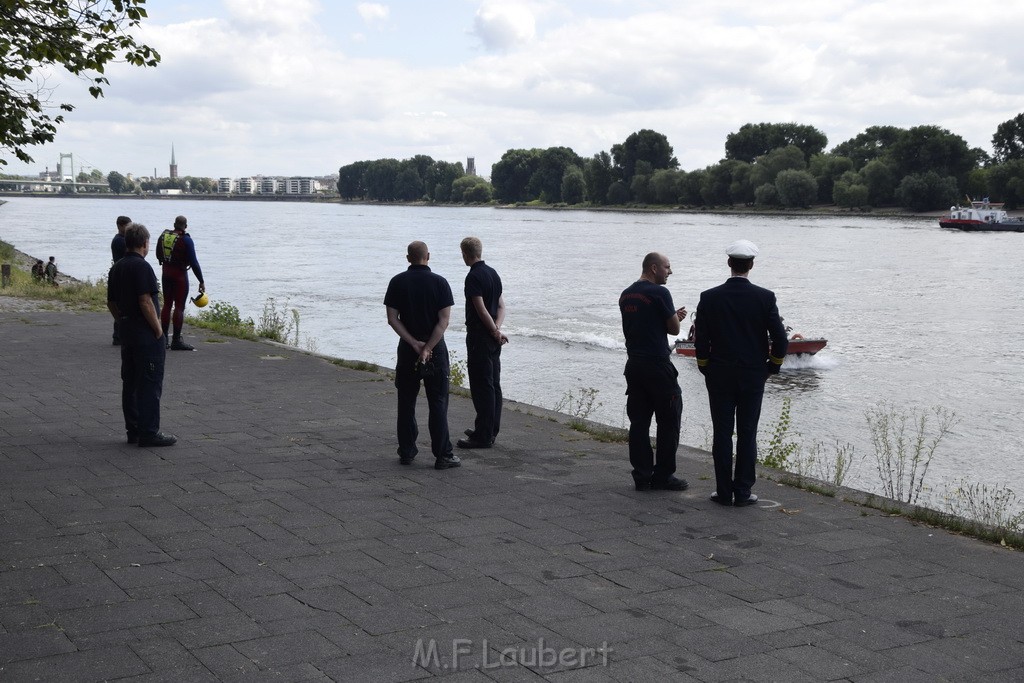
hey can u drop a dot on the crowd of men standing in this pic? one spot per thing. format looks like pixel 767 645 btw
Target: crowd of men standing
pixel 739 340
pixel 738 336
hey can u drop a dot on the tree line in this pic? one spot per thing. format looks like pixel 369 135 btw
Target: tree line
pixel 766 164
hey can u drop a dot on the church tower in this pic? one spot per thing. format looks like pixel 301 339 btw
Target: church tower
pixel 174 164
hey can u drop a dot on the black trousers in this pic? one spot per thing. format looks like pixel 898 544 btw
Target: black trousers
pixel 407 382
pixel 483 362
pixel 734 396
pixel 652 390
pixel 142 377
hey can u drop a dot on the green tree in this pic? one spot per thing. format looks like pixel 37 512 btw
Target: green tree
pixel 80 36
pixel 408 183
pixel 873 143
pixel 118 183
pixel 826 168
pixel 667 185
pixel 689 188
pixel 351 180
pixel 796 188
pixel 511 175
pixel 618 193
pixel 574 185
pixel 470 189
pixel 716 182
pixel 598 173
pixel 766 195
pixel 926 191
pixel 753 140
pixel 438 179
pixel 848 191
pixel 924 149
pixel 1005 183
pixel 880 180
pixel 546 180
pixel 380 179
pixel 768 166
pixel 643 145
pixel 1008 141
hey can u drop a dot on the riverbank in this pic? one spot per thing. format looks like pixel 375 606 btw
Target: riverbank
pixel 829 210
pixel 280 538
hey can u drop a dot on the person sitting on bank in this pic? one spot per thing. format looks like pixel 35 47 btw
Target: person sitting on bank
pixel 38 271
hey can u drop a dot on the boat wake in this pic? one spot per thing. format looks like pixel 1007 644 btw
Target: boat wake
pixel 807 362
pixel 572 338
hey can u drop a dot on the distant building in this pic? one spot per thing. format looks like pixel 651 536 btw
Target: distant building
pixel 225 185
pixel 246 186
pixel 301 185
pixel 174 164
pixel 471 166
pixel 269 185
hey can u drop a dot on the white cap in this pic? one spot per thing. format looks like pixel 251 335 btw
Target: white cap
pixel 742 249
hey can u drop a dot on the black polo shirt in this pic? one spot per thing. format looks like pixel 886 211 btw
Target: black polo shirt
pixel 482 281
pixel 130 278
pixel 419 295
pixel 645 307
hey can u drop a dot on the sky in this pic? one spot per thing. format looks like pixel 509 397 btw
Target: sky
pixel 302 87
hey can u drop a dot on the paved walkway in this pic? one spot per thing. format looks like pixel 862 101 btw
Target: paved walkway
pixel 280 540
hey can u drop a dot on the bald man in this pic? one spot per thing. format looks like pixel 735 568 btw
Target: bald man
pixel 652 388
pixel 419 307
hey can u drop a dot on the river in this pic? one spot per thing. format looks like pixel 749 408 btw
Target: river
pixel 915 315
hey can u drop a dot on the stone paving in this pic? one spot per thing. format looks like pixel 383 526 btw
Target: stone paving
pixel 280 540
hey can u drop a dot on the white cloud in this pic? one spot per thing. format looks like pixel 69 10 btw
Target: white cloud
pixel 503 25
pixel 373 12
pixel 272 14
pixel 277 92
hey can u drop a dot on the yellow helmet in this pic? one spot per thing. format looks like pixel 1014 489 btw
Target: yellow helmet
pixel 200 300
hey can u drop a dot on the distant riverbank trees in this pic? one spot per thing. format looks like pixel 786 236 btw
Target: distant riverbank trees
pixel 416 179
pixel 922 168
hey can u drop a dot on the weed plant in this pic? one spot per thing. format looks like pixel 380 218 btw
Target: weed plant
pixel 275 323
pixel 224 318
pixel 998 508
pixel 905 441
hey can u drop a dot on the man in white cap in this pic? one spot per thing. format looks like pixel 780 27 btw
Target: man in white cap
pixel 735 321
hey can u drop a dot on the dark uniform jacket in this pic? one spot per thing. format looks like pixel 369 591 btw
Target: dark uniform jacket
pixel 735 323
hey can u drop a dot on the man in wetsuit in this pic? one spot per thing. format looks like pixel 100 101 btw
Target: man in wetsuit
pixel 652 387
pixel 177 253
pixel 419 307
pixel 117 252
pixel 133 298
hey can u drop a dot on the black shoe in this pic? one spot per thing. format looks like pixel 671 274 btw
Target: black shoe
pixel 406 461
pixel 132 437
pixel 721 500
pixel 447 462
pixel 158 439
pixel 743 502
pixel 179 345
pixel 469 433
pixel 643 486
pixel 670 484
pixel 472 443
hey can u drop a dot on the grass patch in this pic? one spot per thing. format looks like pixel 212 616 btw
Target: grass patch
pixel 87 295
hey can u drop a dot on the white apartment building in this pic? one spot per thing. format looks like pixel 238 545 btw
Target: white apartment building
pixel 246 186
pixel 225 185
